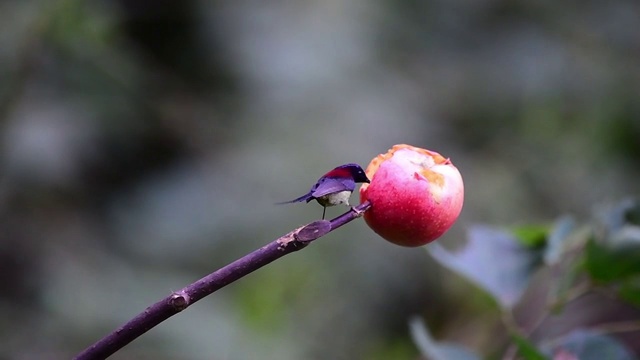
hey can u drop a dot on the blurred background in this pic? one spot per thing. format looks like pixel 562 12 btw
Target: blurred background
pixel 143 144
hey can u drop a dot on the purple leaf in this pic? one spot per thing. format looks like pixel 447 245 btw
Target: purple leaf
pixel 494 260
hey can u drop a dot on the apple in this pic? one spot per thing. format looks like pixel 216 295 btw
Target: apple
pixel 416 195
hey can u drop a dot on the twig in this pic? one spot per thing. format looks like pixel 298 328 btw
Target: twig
pixel 512 328
pixel 510 323
pixel 617 327
pixel 180 300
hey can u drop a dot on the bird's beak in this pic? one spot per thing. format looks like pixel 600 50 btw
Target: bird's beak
pixel 368 181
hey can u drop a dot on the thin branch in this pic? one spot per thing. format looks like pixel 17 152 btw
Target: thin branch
pixel 617 327
pixel 510 323
pixel 512 327
pixel 181 299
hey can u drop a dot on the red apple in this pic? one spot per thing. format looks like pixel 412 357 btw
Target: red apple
pixel 416 195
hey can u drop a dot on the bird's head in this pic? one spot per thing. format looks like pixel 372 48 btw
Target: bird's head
pixel 356 172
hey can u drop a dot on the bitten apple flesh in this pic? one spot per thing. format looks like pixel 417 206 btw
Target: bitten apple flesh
pixel 416 195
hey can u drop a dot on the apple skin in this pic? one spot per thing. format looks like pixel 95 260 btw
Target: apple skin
pixel 416 195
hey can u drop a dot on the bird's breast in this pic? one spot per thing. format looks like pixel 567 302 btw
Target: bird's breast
pixel 333 199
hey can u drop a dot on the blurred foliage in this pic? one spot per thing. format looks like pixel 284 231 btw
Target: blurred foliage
pixel 527 350
pixel 609 260
pixel 143 144
pixel 495 261
pixel 533 236
pixel 588 346
pixel 435 350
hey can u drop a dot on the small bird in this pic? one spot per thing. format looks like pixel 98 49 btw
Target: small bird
pixel 334 187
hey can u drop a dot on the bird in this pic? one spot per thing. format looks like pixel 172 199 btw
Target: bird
pixel 334 187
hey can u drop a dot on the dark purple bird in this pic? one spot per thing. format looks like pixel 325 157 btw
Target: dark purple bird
pixel 334 187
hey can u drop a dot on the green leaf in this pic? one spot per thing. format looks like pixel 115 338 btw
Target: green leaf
pixel 494 260
pixel 534 236
pixel 616 259
pixel 630 291
pixel 434 350
pixel 616 255
pixel 526 349
pixel 587 345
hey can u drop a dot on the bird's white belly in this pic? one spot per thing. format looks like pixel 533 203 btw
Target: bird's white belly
pixel 338 198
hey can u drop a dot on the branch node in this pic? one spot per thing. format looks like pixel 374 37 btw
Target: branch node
pixel 313 231
pixel 358 213
pixel 179 300
pixel 286 240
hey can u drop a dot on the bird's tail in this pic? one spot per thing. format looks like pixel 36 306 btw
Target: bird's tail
pixel 305 197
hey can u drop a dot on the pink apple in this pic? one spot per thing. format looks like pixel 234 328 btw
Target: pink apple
pixel 416 195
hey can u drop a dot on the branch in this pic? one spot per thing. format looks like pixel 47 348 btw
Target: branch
pixel 182 299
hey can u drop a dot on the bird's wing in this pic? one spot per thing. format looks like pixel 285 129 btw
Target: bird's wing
pixel 328 186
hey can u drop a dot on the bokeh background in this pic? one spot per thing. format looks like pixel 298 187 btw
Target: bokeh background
pixel 143 144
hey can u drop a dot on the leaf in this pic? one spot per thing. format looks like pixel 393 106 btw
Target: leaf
pixel 494 260
pixel 617 258
pixel 616 255
pixel 434 350
pixel 630 291
pixel 626 212
pixel 557 239
pixel 533 236
pixel 587 345
pixel 526 349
